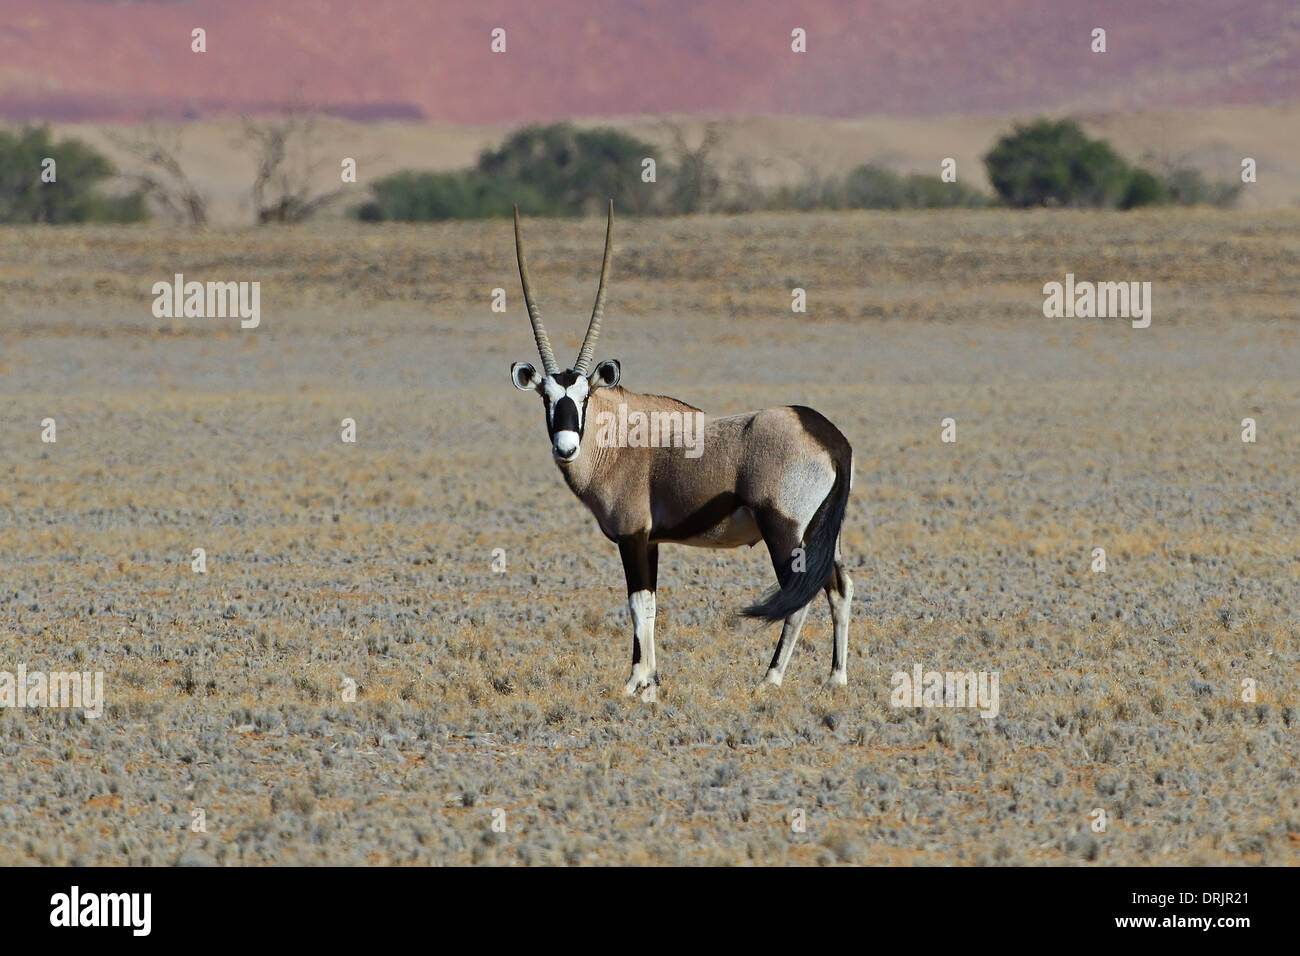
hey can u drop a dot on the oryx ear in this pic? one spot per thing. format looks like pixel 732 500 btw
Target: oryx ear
pixel 605 375
pixel 525 376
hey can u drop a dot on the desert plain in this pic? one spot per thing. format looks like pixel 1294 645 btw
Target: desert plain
pixel 439 567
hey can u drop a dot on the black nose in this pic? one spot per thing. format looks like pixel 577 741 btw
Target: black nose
pixel 565 418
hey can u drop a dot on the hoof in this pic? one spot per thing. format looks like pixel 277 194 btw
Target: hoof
pixel 773 679
pixel 839 678
pixel 640 682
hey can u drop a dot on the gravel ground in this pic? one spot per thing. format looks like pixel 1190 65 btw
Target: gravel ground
pixel 486 697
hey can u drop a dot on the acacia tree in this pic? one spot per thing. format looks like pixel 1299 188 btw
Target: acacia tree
pixel 162 178
pixel 696 183
pixel 573 171
pixel 1050 163
pixel 287 153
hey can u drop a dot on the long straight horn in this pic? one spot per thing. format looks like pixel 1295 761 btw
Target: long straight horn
pixel 598 311
pixel 534 316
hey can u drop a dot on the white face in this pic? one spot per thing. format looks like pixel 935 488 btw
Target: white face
pixel 566 408
pixel 565 395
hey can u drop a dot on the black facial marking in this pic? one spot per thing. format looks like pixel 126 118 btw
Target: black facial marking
pixel 565 379
pixel 565 418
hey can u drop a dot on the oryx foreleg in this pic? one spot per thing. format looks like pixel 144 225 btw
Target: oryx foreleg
pixel 640 566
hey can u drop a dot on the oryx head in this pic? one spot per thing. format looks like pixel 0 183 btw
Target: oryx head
pixel 565 393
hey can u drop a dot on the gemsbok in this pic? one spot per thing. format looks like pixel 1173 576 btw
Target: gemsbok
pixel 781 475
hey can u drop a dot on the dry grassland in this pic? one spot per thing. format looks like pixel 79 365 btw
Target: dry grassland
pixel 480 691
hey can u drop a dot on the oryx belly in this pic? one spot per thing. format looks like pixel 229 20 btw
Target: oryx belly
pixel 736 529
pixel 733 530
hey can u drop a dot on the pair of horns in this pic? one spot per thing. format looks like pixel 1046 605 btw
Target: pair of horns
pixel 588 350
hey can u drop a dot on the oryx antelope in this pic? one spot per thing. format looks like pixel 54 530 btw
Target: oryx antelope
pixel 781 475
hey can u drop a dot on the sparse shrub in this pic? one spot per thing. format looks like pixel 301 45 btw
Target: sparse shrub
pixel 1188 187
pixel 593 621
pixel 503 684
pixel 309 686
pixel 922 191
pixel 559 714
pixel 410 196
pixel 845 847
pixel 813 192
pixel 871 187
pixel 296 799
pixel 1084 845
pixel 725 774
pixel 1143 189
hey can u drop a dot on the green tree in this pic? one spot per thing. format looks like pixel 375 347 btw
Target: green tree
pixel 74 196
pixel 1051 163
pixel 576 171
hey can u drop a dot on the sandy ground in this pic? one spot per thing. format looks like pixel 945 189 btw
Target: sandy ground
pixel 773 149
pixel 486 696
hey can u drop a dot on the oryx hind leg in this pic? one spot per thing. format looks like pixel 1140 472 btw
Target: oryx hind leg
pixel 839 592
pixel 785 646
pixel 783 535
